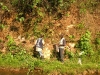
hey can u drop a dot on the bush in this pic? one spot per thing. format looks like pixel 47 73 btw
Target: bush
pixel 97 41
pixel 85 43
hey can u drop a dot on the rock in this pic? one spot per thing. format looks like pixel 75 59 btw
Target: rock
pixel 46 52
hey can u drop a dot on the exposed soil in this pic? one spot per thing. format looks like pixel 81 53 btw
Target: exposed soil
pixel 38 71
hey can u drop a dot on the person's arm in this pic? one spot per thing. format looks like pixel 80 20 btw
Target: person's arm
pixel 35 42
pixel 43 42
pixel 64 42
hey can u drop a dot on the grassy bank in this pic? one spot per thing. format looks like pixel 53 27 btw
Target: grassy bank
pixel 25 60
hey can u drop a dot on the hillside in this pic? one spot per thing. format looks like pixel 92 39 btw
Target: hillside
pixel 70 22
pixel 23 21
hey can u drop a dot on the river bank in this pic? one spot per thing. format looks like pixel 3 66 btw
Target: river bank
pixel 39 71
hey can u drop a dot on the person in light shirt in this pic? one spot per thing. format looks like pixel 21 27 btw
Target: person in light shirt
pixel 39 45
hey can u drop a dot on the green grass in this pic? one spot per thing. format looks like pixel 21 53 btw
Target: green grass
pixel 24 60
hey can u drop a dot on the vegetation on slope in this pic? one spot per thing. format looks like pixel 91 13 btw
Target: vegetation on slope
pixel 30 18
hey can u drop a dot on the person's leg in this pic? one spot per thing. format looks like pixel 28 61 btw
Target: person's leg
pixel 39 50
pixel 40 53
pixel 61 51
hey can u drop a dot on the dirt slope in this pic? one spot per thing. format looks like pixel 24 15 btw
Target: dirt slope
pixel 68 25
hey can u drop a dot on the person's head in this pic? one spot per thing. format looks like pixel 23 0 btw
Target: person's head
pixel 61 36
pixel 41 36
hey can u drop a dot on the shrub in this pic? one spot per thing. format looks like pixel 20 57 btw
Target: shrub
pixel 85 43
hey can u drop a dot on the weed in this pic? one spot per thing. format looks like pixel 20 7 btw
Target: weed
pixel 20 17
pixel 69 54
pixel 97 41
pixel 71 37
pixel 81 25
pixel 11 44
pixel 85 43
pixel 89 5
pixel 82 8
pixel 4 7
pixel 2 26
